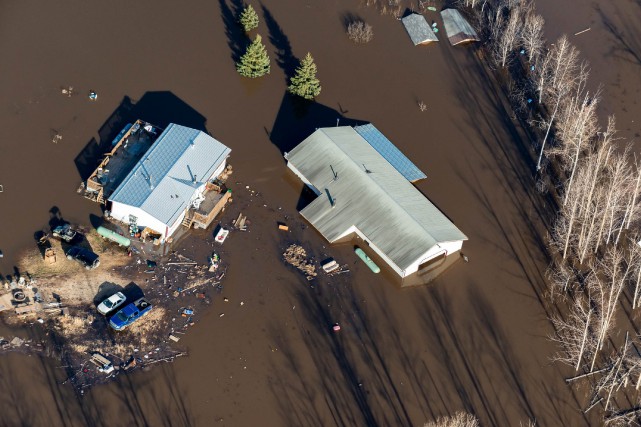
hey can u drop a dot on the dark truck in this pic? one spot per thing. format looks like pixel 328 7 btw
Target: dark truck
pixel 84 256
pixel 129 314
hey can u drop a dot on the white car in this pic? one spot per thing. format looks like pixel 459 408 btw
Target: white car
pixel 111 303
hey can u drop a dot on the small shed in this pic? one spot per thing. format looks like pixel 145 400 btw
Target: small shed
pixel 458 30
pixel 418 29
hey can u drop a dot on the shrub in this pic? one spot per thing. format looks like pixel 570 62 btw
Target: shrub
pixel 360 32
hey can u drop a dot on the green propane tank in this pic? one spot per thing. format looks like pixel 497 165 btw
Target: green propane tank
pixel 113 236
pixel 367 260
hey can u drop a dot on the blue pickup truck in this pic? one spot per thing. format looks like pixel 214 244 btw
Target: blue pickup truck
pixel 129 314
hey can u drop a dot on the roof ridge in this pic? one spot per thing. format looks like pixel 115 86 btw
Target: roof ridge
pixel 394 204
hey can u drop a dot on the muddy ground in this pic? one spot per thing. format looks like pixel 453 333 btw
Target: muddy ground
pixel 475 340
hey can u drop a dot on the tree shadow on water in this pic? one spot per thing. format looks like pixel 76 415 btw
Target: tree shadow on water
pixel 297 118
pixel 236 37
pixel 284 56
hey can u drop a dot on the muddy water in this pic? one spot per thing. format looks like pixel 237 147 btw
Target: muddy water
pixel 612 47
pixel 475 340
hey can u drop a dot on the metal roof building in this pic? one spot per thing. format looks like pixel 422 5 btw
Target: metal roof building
pixel 361 192
pixel 458 30
pixel 418 29
pixel 170 175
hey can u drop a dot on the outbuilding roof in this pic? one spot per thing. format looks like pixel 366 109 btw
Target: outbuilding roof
pixel 360 188
pixel 418 29
pixel 165 179
pixel 458 30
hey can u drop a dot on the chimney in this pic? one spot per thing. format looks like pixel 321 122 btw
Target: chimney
pixel 194 179
pixel 151 182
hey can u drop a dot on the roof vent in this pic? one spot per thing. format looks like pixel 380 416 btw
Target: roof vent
pixel 332 201
pixel 333 172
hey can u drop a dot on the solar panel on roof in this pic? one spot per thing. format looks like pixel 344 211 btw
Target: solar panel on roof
pixel 389 151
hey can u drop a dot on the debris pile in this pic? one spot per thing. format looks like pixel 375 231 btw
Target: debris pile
pixel 297 256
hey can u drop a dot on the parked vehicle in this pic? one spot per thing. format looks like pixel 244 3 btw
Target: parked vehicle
pixel 84 256
pixel 111 303
pixel 129 314
pixel 64 232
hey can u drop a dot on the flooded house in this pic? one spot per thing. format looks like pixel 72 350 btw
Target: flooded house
pixel 457 28
pixel 157 180
pixel 364 188
pixel 418 29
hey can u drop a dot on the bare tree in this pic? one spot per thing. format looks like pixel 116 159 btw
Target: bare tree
pixel 505 27
pixel 460 419
pixel 562 278
pixel 532 36
pixel 360 32
pixel 577 127
pixel 632 206
pixel 575 333
pixel 609 277
pixel 559 74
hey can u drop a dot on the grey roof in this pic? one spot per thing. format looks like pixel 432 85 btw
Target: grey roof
pixel 418 29
pixel 389 151
pixel 162 182
pixel 458 30
pixel 378 199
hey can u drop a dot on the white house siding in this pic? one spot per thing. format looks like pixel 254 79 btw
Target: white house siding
pixel 121 213
pixel 218 170
pixel 448 247
pixel 302 178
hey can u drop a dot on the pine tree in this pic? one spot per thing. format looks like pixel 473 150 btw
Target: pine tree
pixel 255 62
pixel 304 83
pixel 249 18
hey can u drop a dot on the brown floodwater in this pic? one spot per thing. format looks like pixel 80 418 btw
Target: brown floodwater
pixel 474 340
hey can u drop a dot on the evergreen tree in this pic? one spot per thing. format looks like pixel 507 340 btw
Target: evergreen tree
pixel 304 83
pixel 249 18
pixel 255 62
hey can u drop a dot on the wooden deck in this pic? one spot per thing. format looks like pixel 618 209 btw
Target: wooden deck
pixel 214 203
pixel 117 163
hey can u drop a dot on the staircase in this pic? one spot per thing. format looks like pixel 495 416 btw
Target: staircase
pixel 100 199
pixel 188 220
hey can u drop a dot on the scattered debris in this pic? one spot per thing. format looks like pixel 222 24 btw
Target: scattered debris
pixel 221 235
pixel 16 342
pixel 330 265
pixel 174 338
pixel 582 31
pixel 103 364
pixel 297 256
pixel 239 222
pixel 68 91
pixel 214 262
pixel 283 227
